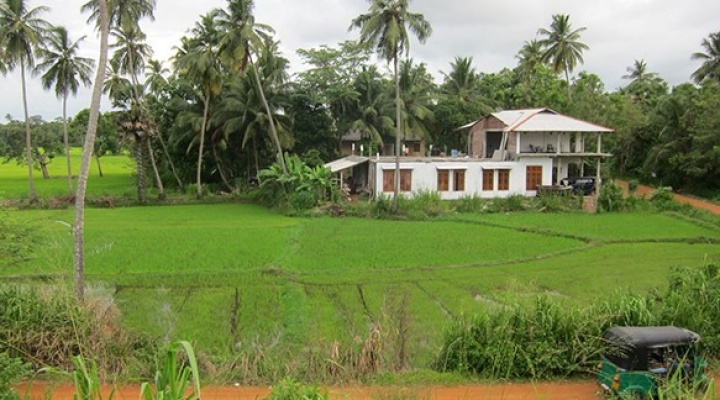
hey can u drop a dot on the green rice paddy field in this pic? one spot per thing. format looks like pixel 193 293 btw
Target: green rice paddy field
pixel 290 283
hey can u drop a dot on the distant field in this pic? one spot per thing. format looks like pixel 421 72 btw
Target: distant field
pixel 182 271
pixel 117 180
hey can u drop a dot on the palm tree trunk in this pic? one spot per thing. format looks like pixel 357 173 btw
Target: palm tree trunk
pixel 67 145
pixel 397 136
pixel 97 161
pixel 567 79
pixel 198 182
pixel 273 131
pixel 158 181
pixel 170 161
pixel 79 225
pixel 28 135
pixel 140 160
pixel 219 166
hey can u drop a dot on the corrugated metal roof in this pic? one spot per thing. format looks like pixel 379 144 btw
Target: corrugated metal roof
pixel 345 163
pixel 550 121
pixel 542 120
pixel 514 117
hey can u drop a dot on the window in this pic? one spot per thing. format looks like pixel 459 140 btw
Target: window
pixel 488 180
pixel 443 180
pixel 533 177
pixel 405 180
pixel 459 176
pixel 389 180
pixel 504 179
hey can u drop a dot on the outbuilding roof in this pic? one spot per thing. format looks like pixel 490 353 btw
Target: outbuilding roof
pixel 345 163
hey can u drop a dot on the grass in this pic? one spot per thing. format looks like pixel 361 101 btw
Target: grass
pixel 301 283
pixel 118 179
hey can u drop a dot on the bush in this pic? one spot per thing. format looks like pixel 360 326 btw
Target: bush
pixel 301 200
pixel 663 199
pixel 48 327
pixel 289 389
pixel 612 197
pixel 11 371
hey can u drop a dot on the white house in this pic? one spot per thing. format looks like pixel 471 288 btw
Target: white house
pixel 509 153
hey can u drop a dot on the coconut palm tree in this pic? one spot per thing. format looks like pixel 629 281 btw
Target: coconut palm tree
pixel 79 223
pixel 63 67
pixel 530 59
pixel 22 32
pixel 121 11
pixel 710 68
pixel 129 57
pixel 197 61
pixel 242 38
pixel 155 73
pixel 156 83
pixel 462 80
pixel 417 88
pixel 385 27
pixel 638 72
pixel 562 46
pixel 117 86
pixel 241 109
pixel 372 109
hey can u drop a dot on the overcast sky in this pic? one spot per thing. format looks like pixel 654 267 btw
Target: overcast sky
pixel 662 32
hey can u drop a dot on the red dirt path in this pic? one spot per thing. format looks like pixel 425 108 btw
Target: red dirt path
pixel 583 390
pixel 646 191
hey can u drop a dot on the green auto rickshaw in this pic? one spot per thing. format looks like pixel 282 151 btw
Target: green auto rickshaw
pixel 637 360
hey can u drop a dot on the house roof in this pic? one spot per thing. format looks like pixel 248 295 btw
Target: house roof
pixel 345 163
pixel 544 120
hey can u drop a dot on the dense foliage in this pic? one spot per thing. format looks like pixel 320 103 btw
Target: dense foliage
pixel 549 338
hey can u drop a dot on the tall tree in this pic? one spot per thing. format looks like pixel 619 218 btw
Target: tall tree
pixel 79 223
pixel 639 72
pixel 385 27
pixel 22 32
pixel 461 82
pixel 65 70
pixel 645 87
pixel 197 60
pixel 121 11
pixel 530 59
pixel 562 46
pixel 710 68
pixel 129 56
pixel 156 84
pixel 243 38
pixel 417 89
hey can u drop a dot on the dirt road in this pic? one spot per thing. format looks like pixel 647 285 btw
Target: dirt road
pixel 583 390
pixel 646 191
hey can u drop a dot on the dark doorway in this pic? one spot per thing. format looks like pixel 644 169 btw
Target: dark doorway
pixel 492 143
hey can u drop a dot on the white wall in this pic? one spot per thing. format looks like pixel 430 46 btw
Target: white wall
pixel 424 176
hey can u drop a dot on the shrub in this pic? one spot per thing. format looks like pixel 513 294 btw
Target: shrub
pixel 663 199
pixel 289 389
pixel 49 328
pixel 612 198
pixel 301 200
pixel 11 371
